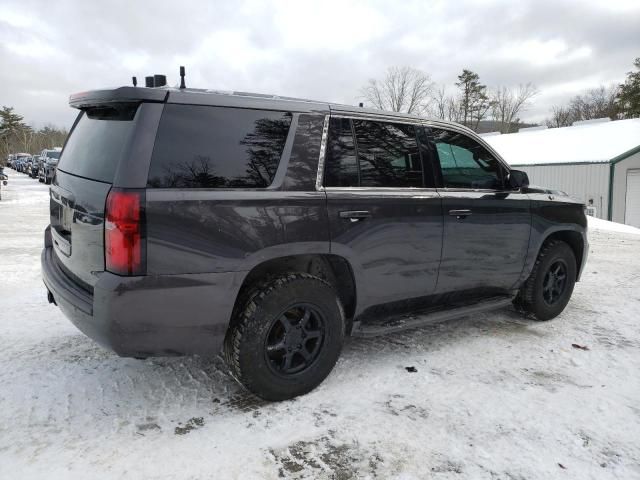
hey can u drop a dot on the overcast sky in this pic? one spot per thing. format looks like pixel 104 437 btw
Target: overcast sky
pixel 324 50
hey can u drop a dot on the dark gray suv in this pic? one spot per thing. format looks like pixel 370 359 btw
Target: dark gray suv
pixel 190 221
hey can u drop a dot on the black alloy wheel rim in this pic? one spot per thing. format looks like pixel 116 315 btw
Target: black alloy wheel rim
pixel 295 339
pixel 555 282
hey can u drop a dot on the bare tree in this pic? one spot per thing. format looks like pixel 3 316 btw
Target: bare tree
pixel 560 117
pixel 403 89
pixel 444 106
pixel 596 103
pixel 508 103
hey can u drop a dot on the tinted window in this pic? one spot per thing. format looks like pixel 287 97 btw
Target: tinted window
pixel 341 168
pixel 465 163
pixel 302 170
pixel 97 142
pixel 428 157
pixel 214 147
pixel 388 154
pixel 53 154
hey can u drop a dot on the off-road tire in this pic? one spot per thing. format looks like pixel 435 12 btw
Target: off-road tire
pixel 245 346
pixel 531 299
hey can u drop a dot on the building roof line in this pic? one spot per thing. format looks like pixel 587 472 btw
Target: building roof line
pixel 624 155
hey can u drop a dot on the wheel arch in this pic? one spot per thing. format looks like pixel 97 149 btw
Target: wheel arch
pixel 332 268
pixel 576 242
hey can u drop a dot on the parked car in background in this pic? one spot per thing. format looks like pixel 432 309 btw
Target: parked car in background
pixel 35 166
pixel 189 221
pixel 3 179
pixel 49 164
pixel 21 162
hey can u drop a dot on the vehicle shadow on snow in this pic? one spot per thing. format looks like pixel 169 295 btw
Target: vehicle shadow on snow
pixel 122 385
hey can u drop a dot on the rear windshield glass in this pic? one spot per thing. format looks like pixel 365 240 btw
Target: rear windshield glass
pixel 53 154
pixel 217 147
pixel 97 143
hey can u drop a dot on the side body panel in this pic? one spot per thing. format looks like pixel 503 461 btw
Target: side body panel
pixel 212 231
pixel 552 214
pixel 487 248
pixel 395 252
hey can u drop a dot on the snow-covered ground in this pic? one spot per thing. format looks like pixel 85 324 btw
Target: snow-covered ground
pixel 598 224
pixel 494 396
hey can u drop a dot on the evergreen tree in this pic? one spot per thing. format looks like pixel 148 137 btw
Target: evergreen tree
pixel 629 94
pixel 474 101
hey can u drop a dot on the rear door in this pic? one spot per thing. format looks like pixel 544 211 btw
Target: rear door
pixel 384 214
pixel 100 150
pixel 486 225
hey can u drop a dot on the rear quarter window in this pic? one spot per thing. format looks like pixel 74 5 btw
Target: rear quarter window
pixel 217 147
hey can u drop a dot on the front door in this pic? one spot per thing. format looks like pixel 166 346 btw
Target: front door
pixel 486 225
pixel 385 216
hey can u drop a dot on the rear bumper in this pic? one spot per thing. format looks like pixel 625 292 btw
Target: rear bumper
pixel 155 315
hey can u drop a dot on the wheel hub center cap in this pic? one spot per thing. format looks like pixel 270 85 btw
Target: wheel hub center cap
pixel 294 338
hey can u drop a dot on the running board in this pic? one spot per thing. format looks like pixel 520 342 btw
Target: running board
pixel 422 319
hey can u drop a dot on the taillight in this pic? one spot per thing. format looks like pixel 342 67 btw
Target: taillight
pixel 124 232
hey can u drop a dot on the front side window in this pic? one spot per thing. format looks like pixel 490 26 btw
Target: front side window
pixel 217 147
pixel 465 163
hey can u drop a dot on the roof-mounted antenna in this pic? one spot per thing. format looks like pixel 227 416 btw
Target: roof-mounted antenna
pixel 361 104
pixel 135 81
pixel 182 85
pixel 159 80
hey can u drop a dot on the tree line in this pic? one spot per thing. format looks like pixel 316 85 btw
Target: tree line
pixel 16 136
pixel 409 90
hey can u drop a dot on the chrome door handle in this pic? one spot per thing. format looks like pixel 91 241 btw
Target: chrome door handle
pixel 355 215
pixel 459 214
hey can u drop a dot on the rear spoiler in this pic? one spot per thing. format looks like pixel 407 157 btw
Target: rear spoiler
pixel 117 95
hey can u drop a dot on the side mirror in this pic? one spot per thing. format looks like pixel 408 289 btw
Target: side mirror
pixel 518 179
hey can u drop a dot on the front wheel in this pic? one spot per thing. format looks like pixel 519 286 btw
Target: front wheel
pixel 286 337
pixel 550 285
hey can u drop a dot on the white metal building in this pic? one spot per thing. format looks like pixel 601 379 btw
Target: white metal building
pixel 597 161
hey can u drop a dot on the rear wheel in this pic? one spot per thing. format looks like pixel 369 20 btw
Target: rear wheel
pixel 550 285
pixel 286 337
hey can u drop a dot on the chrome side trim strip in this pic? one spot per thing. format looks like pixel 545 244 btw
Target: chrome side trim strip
pixel 323 147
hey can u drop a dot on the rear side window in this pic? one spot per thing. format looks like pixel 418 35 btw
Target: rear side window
pixel 382 154
pixel 216 147
pixel 97 142
pixel 388 154
pixel 341 162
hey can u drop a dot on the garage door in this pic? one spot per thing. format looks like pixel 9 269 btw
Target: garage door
pixel 632 205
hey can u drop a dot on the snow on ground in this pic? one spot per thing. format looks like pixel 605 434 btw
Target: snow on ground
pixel 599 224
pixel 495 396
